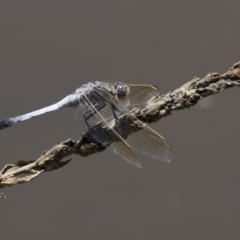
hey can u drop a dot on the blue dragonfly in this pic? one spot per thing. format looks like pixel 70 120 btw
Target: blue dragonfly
pixel 98 106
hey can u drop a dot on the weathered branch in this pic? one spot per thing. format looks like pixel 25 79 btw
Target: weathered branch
pixel 156 108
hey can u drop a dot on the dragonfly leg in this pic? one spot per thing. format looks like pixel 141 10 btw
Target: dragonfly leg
pixel 85 119
pixel 114 110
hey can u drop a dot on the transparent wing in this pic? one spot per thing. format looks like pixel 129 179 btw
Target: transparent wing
pixel 151 144
pixel 140 94
pixel 147 141
pixel 93 115
pixel 99 109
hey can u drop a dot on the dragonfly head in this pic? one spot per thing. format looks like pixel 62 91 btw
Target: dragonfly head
pixel 121 90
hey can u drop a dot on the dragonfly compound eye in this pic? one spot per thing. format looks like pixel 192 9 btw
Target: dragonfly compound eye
pixel 122 90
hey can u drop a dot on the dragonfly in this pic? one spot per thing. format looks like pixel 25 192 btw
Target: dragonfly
pixel 98 105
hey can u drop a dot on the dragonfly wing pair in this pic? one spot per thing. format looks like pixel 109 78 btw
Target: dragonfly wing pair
pixel 88 114
pixel 100 107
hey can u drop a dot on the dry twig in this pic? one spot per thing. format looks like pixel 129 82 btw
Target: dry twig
pixel 158 107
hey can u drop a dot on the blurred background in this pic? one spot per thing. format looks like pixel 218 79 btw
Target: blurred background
pixel 50 48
